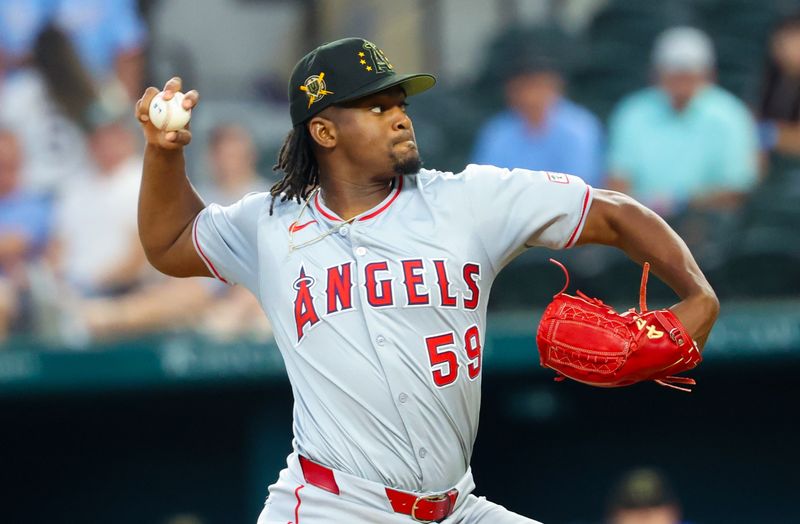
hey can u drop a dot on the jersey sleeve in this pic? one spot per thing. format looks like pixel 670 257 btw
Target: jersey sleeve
pixel 514 209
pixel 225 237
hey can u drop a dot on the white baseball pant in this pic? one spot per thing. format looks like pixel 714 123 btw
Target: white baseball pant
pixel 292 500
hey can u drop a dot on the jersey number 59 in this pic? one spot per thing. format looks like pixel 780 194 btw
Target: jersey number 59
pixel 442 352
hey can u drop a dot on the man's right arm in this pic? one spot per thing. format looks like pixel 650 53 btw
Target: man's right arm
pixel 168 204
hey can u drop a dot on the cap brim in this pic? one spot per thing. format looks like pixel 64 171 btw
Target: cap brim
pixel 412 84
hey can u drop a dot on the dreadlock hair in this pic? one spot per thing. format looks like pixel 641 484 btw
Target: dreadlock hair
pixel 299 166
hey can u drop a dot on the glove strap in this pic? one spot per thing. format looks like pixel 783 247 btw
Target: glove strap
pixel 566 275
pixel 643 288
pixel 672 381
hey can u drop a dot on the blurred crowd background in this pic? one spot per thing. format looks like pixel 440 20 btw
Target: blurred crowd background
pixel 691 106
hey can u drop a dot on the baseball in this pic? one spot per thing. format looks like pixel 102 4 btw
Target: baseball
pixel 169 115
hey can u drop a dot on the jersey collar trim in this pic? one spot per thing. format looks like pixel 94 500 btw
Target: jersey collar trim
pixel 397 184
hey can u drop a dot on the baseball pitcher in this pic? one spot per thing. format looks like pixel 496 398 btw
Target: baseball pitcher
pixel 375 274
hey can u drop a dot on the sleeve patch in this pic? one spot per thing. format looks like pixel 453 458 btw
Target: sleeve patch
pixel 558 178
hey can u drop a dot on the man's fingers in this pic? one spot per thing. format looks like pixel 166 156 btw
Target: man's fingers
pixel 180 137
pixel 191 98
pixel 172 86
pixel 143 105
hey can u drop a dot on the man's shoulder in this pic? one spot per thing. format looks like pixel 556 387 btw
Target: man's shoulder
pixel 724 106
pixel 433 178
pixel 637 102
pixel 578 119
pixel 256 204
pixel 574 111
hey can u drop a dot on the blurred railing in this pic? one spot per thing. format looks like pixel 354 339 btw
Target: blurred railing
pixel 745 330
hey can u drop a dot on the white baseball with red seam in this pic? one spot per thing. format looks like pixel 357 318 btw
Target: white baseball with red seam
pixel 169 115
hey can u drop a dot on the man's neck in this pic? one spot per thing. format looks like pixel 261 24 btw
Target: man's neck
pixel 348 198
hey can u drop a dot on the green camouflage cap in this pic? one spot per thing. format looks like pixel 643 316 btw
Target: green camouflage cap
pixel 342 71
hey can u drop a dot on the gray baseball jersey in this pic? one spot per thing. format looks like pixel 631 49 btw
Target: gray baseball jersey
pixel 381 321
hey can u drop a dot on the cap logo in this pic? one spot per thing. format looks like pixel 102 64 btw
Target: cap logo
pixel 314 88
pixel 373 59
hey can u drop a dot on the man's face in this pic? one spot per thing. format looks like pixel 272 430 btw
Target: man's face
pixel 111 145
pixel 681 87
pixel 233 157
pixel 659 515
pixel 532 94
pixel 786 50
pixel 376 135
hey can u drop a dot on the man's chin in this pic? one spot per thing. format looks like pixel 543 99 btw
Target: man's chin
pixel 409 165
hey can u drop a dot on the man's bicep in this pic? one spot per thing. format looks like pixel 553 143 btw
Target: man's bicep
pixel 183 259
pixel 190 255
pixel 598 228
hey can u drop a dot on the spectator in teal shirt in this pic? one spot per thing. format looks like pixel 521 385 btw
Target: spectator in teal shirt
pixel 684 142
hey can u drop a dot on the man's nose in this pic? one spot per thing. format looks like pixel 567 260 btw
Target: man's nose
pixel 402 121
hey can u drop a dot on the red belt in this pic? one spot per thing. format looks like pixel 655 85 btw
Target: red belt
pixel 426 508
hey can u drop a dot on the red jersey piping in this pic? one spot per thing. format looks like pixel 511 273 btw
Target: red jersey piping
pixel 572 237
pixel 203 255
pixel 373 214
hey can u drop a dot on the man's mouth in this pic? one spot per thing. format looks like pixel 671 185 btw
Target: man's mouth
pixel 407 142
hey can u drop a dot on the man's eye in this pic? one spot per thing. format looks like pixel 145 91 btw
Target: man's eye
pixel 404 106
pixel 376 109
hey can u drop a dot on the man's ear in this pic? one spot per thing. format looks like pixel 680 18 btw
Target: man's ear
pixel 323 132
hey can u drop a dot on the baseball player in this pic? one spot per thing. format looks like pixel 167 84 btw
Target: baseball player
pixel 375 274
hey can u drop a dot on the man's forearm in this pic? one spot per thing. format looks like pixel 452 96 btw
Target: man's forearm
pixel 621 222
pixel 167 201
pixel 646 237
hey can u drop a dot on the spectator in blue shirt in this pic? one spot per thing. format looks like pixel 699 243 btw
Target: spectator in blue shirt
pixel 542 129
pixel 685 141
pixel 24 227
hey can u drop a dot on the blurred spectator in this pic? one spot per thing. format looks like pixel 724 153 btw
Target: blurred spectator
pixel 779 106
pixel 49 105
pixel 102 258
pixel 233 159
pixel 542 129
pixel 109 37
pixel 96 248
pixel 643 496
pixel 24 222
pixel 684 141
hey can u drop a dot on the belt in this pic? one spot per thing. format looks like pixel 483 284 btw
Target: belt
pixel 421 508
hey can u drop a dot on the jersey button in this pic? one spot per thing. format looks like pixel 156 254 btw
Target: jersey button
pixel 403 398
pixel 422 453
pixel 344 230
pixel 361 251
pixel 380 340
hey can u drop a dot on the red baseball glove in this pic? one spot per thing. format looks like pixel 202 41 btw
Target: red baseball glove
pixel 584 339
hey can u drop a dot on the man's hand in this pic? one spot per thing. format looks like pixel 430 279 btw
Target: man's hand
pixel 168 204
pixel 169 140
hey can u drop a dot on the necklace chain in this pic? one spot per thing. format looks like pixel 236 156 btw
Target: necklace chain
pixel 330 231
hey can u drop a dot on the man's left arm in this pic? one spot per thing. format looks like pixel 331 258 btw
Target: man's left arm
pixel 617 220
